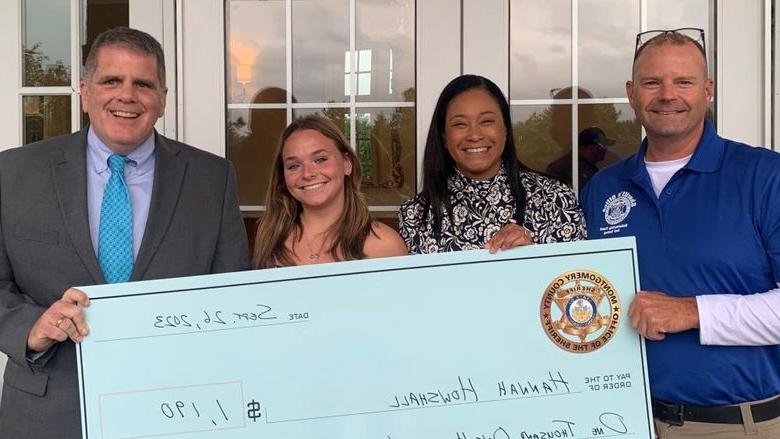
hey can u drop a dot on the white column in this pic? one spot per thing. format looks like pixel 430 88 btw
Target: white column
pixel 10 71
pixel 741 81
pixel 202 72
pixel 486 40
pixel 158 19
pixel 438 61
pixel 10 104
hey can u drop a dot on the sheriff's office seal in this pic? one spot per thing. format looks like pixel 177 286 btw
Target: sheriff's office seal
pixel 617 207
pixel 586 314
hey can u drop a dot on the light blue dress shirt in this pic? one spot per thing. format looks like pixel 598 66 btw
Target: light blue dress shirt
pixel 139 176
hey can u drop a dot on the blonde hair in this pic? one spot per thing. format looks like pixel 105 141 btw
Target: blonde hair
pixel 283 217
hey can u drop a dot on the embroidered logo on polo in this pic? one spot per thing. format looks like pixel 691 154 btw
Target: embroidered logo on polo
pixel 616 210
pixel 586 311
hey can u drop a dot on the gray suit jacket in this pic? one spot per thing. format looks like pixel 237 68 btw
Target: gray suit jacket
pixel 194 227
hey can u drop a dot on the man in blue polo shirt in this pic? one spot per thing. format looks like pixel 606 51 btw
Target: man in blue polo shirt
pixel 706 215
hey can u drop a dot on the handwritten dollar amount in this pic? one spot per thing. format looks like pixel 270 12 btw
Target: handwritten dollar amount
pixel 213 412
pixel 185 410
pixel 208 319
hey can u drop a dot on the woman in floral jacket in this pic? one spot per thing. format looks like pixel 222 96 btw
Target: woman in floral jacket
pixel 476 194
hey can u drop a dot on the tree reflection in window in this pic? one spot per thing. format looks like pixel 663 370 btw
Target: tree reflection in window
pixel 543 134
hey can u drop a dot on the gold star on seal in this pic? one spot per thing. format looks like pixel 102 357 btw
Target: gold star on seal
pixel 579 310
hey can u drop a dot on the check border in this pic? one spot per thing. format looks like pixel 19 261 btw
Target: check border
pixel 630 250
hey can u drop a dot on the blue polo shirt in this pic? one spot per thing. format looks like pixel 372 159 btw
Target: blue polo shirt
pixel 714 229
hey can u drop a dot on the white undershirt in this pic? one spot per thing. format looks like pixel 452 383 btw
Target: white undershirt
pixel 737 320
pixel 662 172
pixel 727 319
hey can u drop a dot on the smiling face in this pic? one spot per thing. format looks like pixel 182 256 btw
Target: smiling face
pixel 314 169
pixel 123 97
pixel 475 134
pixel 670 92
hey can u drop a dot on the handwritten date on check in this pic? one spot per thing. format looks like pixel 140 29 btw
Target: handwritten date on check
pixel 527 343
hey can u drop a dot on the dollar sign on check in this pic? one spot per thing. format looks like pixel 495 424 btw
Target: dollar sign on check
pixel 254 410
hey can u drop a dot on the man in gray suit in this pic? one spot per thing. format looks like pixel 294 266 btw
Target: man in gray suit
pixel 59 226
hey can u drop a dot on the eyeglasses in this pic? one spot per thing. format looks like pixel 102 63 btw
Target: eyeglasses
pixel 682 35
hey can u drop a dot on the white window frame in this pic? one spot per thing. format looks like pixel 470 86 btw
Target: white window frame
pixel 75 71
pixel 161 25
pixel 442 54
pixel 575 101
pixel 201 101
pixel 352 105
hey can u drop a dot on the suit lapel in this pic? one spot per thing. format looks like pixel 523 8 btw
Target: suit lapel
pixel 169 170
pixel 70 181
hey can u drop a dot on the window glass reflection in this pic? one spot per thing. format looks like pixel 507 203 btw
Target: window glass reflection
pixel 614 134
pixel 339 116
pixel 543 136
pixel 385 50
pixel 46 43
pixel 320 38
pixel 606 30
pixel 674 14
pixel 253 136
pixel 385 143
pixel 540 48
pixel 256 48
pixel 102 16
pixel 45 117
pixel 607 33
pixel 380 74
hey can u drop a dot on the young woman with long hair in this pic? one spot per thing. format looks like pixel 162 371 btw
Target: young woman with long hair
pixel 316 212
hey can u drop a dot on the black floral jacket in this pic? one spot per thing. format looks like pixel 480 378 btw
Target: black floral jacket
pixel 480 208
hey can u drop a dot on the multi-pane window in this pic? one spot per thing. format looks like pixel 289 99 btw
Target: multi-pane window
pixel 347 60
pixel 46 69
pixel 363 73
pixel 569 62
pixel 51 60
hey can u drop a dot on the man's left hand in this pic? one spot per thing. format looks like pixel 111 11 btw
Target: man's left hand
pixel 653 314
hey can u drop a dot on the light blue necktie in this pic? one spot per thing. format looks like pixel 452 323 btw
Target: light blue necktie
pixel 115 237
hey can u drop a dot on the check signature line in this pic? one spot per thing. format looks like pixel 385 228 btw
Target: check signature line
pixel 391 410
pixel 104 340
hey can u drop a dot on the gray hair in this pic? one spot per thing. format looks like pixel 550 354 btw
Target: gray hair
pixel 128 38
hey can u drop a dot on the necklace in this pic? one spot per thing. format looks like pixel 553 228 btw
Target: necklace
pixel 314 255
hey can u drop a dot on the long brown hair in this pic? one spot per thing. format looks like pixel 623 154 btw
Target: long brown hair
pixel 283 217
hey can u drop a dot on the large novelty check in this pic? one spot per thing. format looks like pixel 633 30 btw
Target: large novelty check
pixel 527 343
